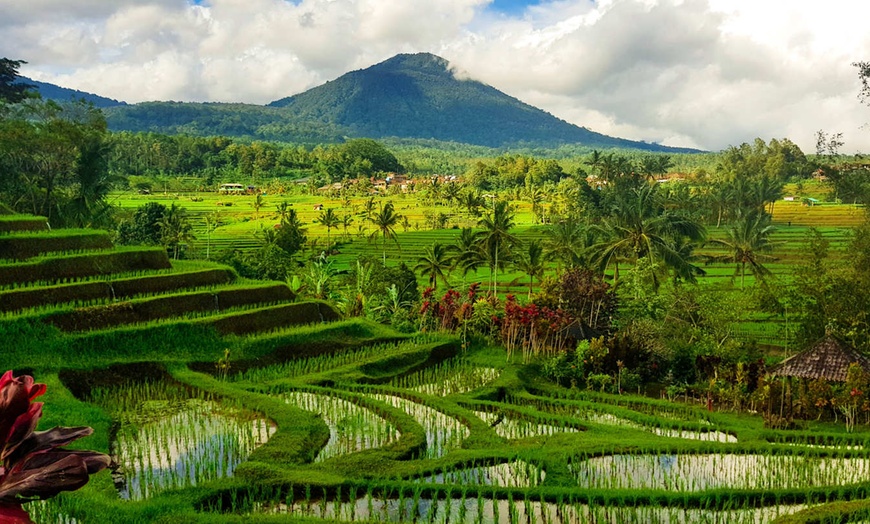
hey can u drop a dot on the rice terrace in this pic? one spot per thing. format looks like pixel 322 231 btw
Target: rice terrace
pixel 224 325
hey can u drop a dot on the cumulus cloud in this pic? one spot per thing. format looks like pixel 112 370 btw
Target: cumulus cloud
pixel 699 73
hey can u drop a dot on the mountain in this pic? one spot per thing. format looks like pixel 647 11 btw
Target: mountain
pixel 409 96
pixel 419 96
pixel 62 94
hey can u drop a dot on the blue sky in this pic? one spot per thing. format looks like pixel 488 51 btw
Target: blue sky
pixel 511 6
pixel 694 73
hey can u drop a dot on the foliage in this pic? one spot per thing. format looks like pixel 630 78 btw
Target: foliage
pixel 534 330
pixel 583 294
pixel 33 464
pixel 749 242
pixel 55 157
pixel 143 227
pixel 11 91
pixel 640 226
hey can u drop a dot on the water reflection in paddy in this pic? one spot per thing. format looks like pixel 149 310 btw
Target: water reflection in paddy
pixel 352 427
pixel 710 471
pixel 170 437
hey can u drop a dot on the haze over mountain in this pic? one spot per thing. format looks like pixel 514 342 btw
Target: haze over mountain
pixel 415 96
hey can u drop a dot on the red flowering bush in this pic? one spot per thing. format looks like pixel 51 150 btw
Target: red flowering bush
pixel 533 329
pixel 31 464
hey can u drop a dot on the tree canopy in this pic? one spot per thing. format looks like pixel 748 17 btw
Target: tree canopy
pixel 10 90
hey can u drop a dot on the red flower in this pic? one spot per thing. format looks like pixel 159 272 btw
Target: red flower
pixel 31 463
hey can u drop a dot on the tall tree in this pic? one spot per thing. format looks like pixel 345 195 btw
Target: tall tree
pixel 496 239
pixel 328 219
pixel 467 249
pixel 290 235
pixel 385 222
pixel 748 242
pixel 175 229
pixel 435 263
pixel 640 227
pixel 531 262
pixel 10 91
pixel 568 242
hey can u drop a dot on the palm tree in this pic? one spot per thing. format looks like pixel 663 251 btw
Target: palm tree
pixel 385 221
pixel 175 229
pixel 258 205
pixel 495 240
pixel 369 208
pixel 471 201
pixel 282 210
pixel 641 228
pixel 329 219
pixel 346 221
pixel 451 192
pixel 535 197
pixel 435 263
pixel 211 221
pixel 748 241
pixel 531 262
pixel 568 242
pixel 467 252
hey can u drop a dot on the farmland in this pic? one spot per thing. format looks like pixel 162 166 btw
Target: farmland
pixel 370 424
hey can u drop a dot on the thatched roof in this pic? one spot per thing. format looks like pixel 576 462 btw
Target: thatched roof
pixel 828 359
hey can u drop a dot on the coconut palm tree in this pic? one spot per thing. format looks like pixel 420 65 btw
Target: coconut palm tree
pixel 435 263
pixel 531 262
pixel 385 222
pixel 346 221
pixel 328 219
pixel 641 228
pixel 568 243
pixel 467 252
pixel 748 241
pixel 471 200
pixel 451 192
pixel 496 240
pixel 258 204
pixel 175 229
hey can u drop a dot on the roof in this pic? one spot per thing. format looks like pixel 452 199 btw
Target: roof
pixel 828 359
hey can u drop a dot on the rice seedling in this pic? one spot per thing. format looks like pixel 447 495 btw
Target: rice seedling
pixel 451 376
pixel 692 473
pixel 612 420
pixel 352 428
pixel 478 510
pixel 514 474
pixel 50 511
pixel 443 432
pixel 511 427
pixel 325 362
pixel 169 437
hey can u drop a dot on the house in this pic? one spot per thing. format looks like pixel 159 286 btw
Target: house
pixel 827 359
pixel 231 189
pixel 318 207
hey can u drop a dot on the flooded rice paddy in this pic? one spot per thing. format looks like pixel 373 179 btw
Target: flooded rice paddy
pixel 170 437
pixel 690 473
pixel 352 427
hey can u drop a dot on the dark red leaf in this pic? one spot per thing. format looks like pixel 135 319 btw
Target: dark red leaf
pixel 44 475
pixel 13 514
pixel 41 441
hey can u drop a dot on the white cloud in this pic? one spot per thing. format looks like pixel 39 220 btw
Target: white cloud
pixel 705 73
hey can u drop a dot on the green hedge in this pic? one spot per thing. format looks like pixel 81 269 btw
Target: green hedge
pixel 21 247
pixel 145 310
pixel 56 269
